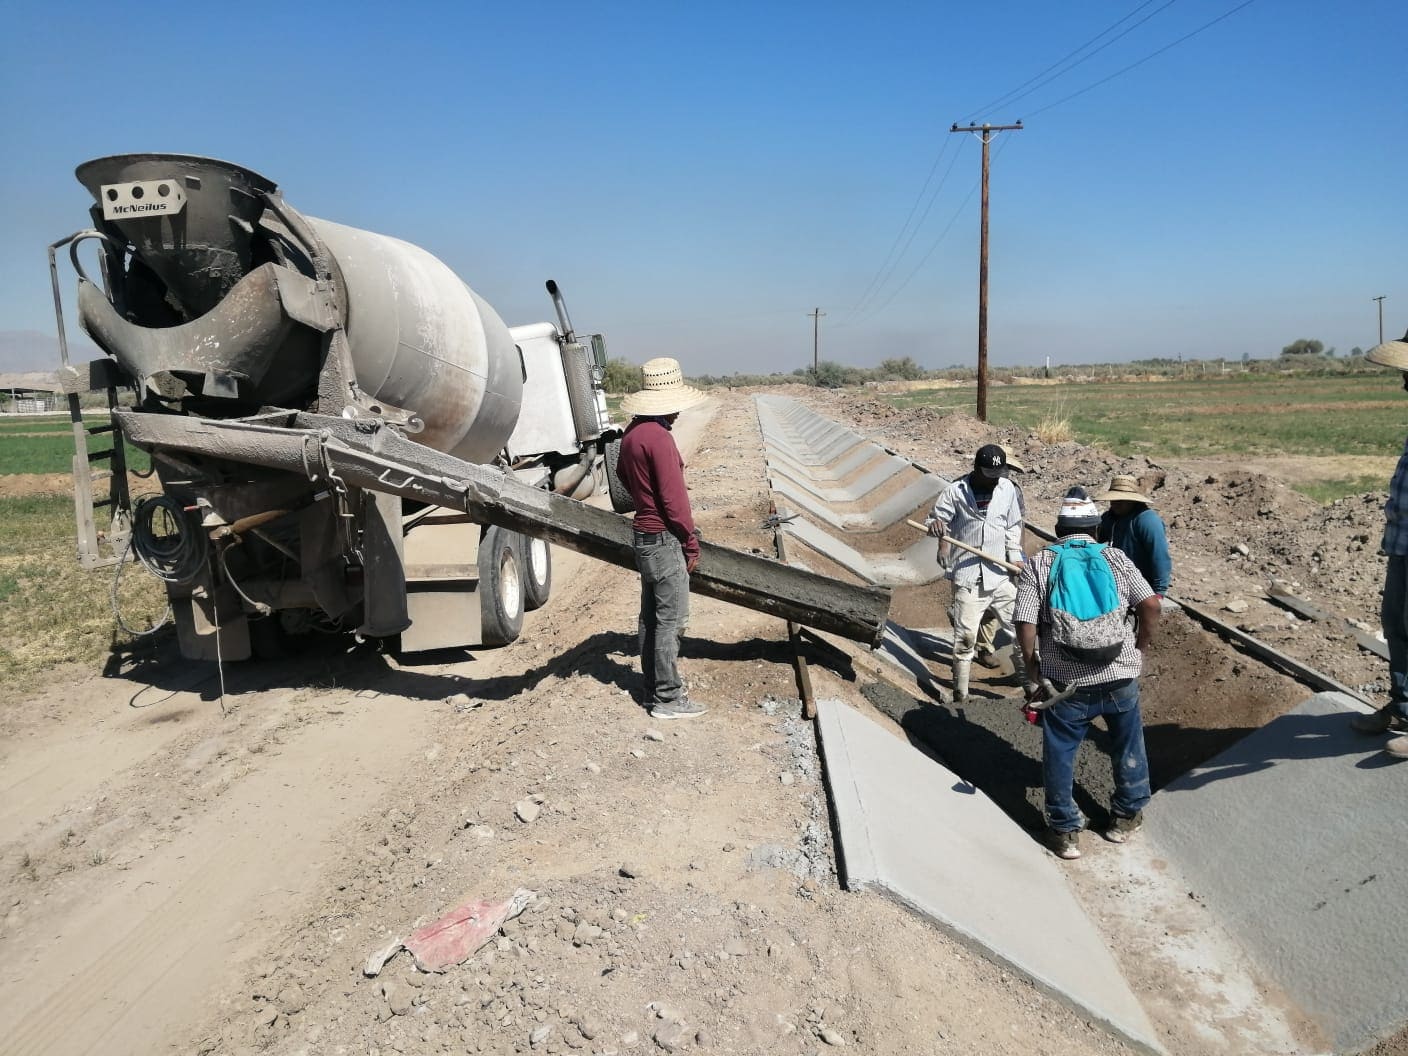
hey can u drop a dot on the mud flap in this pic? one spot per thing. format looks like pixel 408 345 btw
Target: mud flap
pixel 197 629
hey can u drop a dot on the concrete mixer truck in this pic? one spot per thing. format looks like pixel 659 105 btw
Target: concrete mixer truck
pixel 345 435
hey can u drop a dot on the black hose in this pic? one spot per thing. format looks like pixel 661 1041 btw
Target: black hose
pixel 178 554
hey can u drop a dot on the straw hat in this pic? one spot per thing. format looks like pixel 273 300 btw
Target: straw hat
pixel 1124 488
pixel 1390 354
pixel 1012 461
pixel 664 390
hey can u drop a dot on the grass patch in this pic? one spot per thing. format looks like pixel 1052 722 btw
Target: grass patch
pixel 54 612
pixel 1238 414
pixel 47 424
pixel 53 453
pixel 1327 491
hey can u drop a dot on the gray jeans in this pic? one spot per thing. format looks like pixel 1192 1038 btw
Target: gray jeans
pixel 664 615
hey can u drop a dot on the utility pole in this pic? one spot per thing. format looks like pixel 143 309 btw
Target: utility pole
pixel 1381 318
pixel 816 334
pixel 986 133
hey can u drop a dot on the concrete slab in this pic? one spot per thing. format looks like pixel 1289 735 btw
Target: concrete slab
pixel 961 863
pixel 840 471
pixel 916 565
pixel 1301 856
pixel 876 473
pixel 819 442
pixel 914 497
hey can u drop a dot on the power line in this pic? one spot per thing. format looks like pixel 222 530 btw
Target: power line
pixel 1146 58
pixel 935 244
pixel 1016 94
pixel 861 303
pixel 904 226
pixel 1005 99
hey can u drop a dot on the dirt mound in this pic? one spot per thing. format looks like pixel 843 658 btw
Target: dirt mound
pixel 1230 532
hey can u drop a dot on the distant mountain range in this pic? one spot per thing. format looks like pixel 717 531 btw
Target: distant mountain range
pixel 22 351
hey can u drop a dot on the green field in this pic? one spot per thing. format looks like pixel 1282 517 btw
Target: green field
pixel 51 610
pixel 46 446
pixel 1243 414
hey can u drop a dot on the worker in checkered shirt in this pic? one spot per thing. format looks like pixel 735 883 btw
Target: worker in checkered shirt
pixel 1107 690
pixel 1392 718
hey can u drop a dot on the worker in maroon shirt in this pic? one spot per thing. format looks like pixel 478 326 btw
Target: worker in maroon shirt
pixel 666 543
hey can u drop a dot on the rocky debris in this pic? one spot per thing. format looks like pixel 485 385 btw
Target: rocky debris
pixel 654 735
pixel 670 1036
pixel 527 811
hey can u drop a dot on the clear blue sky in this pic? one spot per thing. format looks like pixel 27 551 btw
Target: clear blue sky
pixel 699 177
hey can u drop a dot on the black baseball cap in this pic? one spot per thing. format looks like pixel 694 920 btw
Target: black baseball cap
pixel 990 461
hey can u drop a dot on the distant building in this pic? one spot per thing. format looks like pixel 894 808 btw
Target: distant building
pixel 32 393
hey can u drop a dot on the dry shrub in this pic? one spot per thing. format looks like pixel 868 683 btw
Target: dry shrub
pixel 1055 428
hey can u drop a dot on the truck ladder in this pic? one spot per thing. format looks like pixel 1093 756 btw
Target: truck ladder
pixel 106 376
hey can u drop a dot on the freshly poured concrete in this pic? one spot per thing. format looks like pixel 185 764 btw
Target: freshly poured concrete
pixel 840 471
pixel 1296 839
pixel 794 467
pixel 876 474
pixel 917 564
pixel 914 497
pixel 911 828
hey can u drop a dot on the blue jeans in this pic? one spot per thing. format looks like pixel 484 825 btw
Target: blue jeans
pixel 1394 616
pixel 664 615
pixel 1064 727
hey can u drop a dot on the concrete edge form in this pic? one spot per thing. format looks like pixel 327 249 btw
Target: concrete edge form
pixel 969 871
pixel 1321 908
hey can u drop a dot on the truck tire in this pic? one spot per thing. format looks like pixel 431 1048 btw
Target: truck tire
pixel 537 569
pixel 501 593
pixel 621 500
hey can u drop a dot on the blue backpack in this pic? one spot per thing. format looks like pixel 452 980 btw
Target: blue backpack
pixel 1084 612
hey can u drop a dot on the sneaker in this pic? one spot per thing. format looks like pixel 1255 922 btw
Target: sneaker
pixel 1122 828
pixel 1387 719
pixel 988 660
pixel 1398 747
pixel 1064 844
pixel 680 709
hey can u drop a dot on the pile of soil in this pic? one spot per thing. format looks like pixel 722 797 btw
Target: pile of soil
pixel 1230 533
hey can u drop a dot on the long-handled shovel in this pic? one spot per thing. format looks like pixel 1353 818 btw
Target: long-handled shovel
pixel 971 549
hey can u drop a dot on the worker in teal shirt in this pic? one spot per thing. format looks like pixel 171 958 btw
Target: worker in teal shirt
pixel 1132 527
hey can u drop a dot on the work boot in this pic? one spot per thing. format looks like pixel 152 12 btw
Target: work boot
pixel 961 670
pixel 1398 747
pixel 1122 828
pixel 1387 719
pixel 987 658
pixel 1064 844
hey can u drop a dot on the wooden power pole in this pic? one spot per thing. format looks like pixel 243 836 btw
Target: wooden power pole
pixel 1381 318
pixel 985 132
pixel 816 335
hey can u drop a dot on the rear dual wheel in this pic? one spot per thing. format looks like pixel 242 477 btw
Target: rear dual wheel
pixel 502 595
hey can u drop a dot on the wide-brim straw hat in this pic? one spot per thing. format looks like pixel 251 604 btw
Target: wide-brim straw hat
pixel 1013 462
pixel 1124 488
pixel 1390 354
pixel 664 390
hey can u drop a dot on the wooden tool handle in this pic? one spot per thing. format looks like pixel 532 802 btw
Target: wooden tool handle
pixel 971 549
